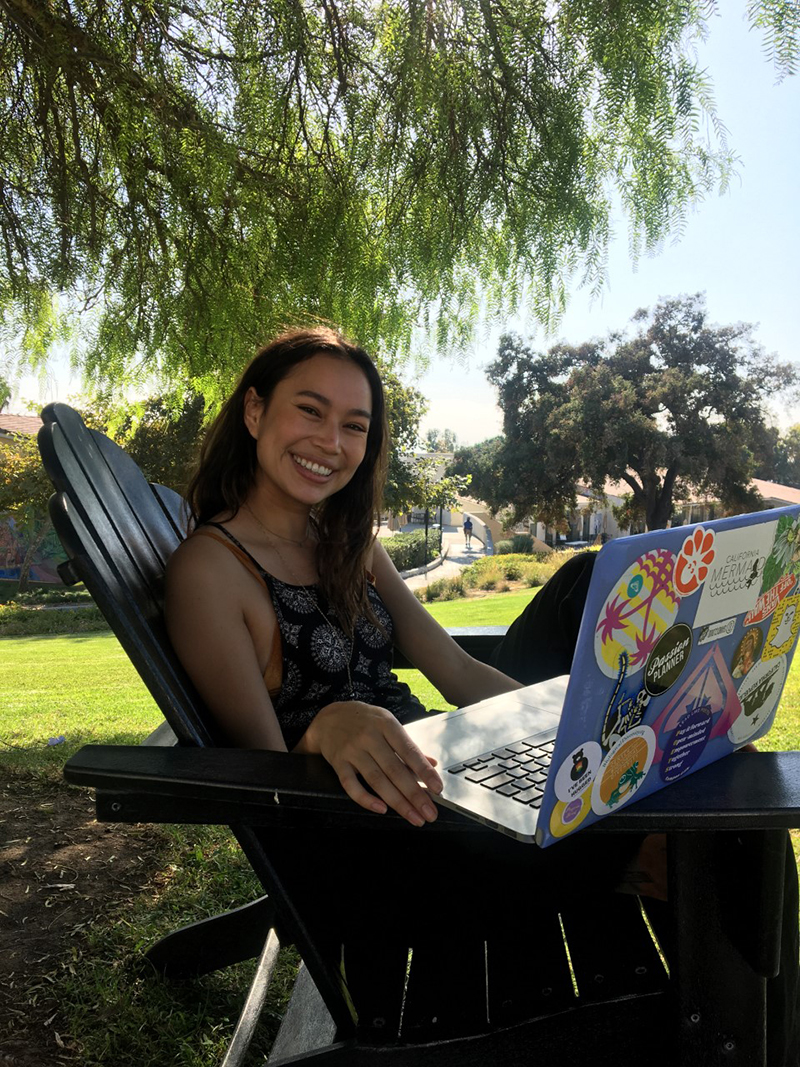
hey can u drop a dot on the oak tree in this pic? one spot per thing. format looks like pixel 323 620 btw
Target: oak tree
pixel 675 404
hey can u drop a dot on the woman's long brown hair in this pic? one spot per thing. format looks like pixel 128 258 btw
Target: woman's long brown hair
pixel 345 521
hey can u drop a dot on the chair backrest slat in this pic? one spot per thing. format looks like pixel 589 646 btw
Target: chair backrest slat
pixel 119 533
pixel 112 496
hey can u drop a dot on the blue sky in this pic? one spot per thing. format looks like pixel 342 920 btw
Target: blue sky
pixel 740 248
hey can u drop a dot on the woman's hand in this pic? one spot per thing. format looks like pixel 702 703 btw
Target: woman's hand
pixel 361 739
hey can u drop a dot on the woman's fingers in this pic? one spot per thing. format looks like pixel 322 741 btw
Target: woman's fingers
pixel 351 784
pixel 392 767
pixel 409 801
pixel 414 758
pixel 400 788
pixel 391 783
pixel 367 741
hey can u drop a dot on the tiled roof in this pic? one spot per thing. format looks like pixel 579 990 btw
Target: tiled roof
pixel 19 424
pixel 774 491
pixel 771 491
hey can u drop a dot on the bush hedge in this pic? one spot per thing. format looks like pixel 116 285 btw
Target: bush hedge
pixel 441 589
pixel 489 571
pixel 16 621
pixel 519 543
pixel 407 550
pixel 73 595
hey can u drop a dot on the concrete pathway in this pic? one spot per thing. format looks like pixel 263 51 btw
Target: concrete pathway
pixel 458 556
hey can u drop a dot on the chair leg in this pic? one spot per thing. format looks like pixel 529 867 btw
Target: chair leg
pixel 307 1025
pixel 254 1004
pixel 211 944
pixel 721 1000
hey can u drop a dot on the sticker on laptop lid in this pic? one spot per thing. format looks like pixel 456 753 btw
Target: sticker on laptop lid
pixel 709 687
pixel 716 631
pixel 625 709
pixel 623 771
pixel 783 628
pixel 577 772
pixel 667 660
pixel 733 583
pixel 641 605
pixel 568 815
pixel 687 742
pixel 767 602
pixel 694 560
pixel 784 557
pixel 746 652
pixel 759 694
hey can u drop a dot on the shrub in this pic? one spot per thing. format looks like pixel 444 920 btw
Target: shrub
pixel 78 595
pixel 513 570
pixel 534 570
pixel 473 575
pixel 441 589
pixel 27 622
pixel 502 548
pixel 407 550
pixel 522 543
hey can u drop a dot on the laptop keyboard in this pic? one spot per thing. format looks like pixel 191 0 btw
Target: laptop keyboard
pixel 518 770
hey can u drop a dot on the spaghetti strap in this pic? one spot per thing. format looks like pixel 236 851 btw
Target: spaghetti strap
pixel 235 544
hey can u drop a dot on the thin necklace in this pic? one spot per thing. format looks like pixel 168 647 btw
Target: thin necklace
pixel 280 537
pixel 346 656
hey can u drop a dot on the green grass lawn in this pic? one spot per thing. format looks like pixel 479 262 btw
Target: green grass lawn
pixel 498 609
pixel 81 686
pixel 84 688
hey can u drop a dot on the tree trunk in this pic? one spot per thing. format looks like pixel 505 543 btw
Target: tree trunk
pixel 659 509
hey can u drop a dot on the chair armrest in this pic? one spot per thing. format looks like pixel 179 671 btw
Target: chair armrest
pixel 747 790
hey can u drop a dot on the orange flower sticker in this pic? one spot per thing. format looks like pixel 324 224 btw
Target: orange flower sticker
pixel 694 560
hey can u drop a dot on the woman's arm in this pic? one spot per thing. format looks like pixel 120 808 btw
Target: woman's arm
pixel 210 598
pixel 458 677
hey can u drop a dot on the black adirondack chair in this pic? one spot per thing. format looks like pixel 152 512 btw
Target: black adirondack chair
pixel 401 966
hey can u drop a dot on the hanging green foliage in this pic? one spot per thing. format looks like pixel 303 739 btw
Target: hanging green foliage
pixel 182 179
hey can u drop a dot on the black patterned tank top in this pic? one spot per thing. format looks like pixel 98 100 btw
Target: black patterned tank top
pixel 317 652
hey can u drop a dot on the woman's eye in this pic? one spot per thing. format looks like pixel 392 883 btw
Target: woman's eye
pixel 308 409
pixel 358 426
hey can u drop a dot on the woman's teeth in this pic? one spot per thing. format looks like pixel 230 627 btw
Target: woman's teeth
pixel 315 468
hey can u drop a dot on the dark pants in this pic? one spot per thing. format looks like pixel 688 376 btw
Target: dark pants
pixel 540 645
pixel 541 642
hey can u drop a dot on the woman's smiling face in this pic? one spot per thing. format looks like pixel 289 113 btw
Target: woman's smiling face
pixel 311 435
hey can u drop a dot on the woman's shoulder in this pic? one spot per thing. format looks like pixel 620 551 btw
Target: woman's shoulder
pixel 204 553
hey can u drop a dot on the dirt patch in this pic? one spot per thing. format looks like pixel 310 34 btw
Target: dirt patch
pixel 59 870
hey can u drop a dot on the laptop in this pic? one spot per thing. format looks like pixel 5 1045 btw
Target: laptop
pixel 684 648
